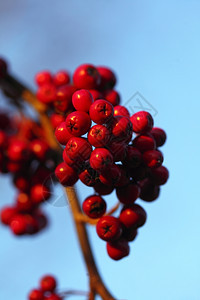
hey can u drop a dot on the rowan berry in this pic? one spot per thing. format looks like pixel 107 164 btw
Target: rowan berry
pixel 78 149
pixel 48 283
pixel 43 77
pixel 36 295
pixel 108 78
pixel 39 193
pixel 66 175
pixel 61 78
pixel 149 191
pixel 159 136
pixel 142 122
pixel 133 216
pixel 103 189
pixel 88 175
pixel 78 123
pixel 112 96
pixel 118 249
pixel 159 176
pixel 120 110
pixel 133 157
pixel 122 129
pixel 23 202
pixel 144 142
pixel 96 94
pixel 56 119
pixel 99 136
pixel 101 159
pixel 7 214
pixel 152 158
pixel 18 224
pixel 128 194
pixel 82 100
pixel 86 76
pixel 109 228
pixel 111 176
pixel 62 134
pixel 94 206
pixel 46 93
pixel 101 111
pixel 39 149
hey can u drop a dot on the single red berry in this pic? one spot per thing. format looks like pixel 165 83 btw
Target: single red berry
pixel 36 295
pixel 117 149
pixel 43 77
pixel 82 100
pixel 96 94
pixel 133 157
pixel 18 150
pixel 101 159
pixel 7 214
pixel 94 206
pixel 39 148
pixel 109 228
pixel 118 249
pixel 111 176
pixel 46 93
pixel 128 194
pixel 3 68
pixel 103 189
pixel 89 176
pixel 48 283
pixel 129 234
pixel 99 136
pixel 21 181
pixel 39 193
pixel 122 129
pixel 120 110
pixel 144 142
pixel 78 149
pixel 133 216
pixel 56 119
pixel 112 96
pixel 142 122
pixel 18 224
pixel 23 202
pixel 86 76
pixel 66 175
pixel 149 191
pixel 108 78
pixel 63 101
pixel 152 158
pixel 101 111
pixel 61 78
pixel 62 134
pixel 159 136
pixel 78 123
pixel 159 176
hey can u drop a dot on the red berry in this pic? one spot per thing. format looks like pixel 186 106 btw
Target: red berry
pixel 129 234
pixel 36 295
pixel 144 142
pixel 149 191
pixel 109 228
pixel 39 193
pixel 108 79
pixel 89 176
pixel 18 150
pixel 39 148
pixel 62 134
pixel 103 189
pixel 21 181
pixel 142 122
pixel 7 213
pixel 117 250
pixel 94 206
pixel 63 101
pixel 43 78
pixel 96 94
pixel 32 225
pixel 159 136
pixel 78 123
pixel 128 194
pixel 101 111
pixel 48 283
pixel 159 176
pixel 86 76
pixel 133 216
pixel 66 175
pixel 46 93
pixel 112 96
pixel 118 150
pixel 82 100
pixel 120 110
pixel 56 119
pixel 24 203
pixel 111 176
pixel 152 158
pixel 78 149
pixel 121 128
pixel 99 136
pixel 101 159
pixel 18 225
pixel 61 78
pixel 133 157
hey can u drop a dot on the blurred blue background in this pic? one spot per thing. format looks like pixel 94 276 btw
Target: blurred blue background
pixel 154 47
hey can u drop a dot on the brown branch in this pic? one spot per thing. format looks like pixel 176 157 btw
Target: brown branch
pixel 96 284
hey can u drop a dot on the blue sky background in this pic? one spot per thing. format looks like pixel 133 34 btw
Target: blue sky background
pixel 154 47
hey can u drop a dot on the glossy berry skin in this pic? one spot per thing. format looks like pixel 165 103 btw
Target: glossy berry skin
pixel 149 191
pixel 129 234
pixel 108 78
pixel 109 228
pixel 63 101
pixel 18 150
pixel 62 134
pixel 101 111
pixel 112 96
pixel 78 149
pixel 142 122
pixel 101 159
pixel 18 224
pixel 56 119
pixel 78 123
pixel 159 176
pixel 120 110
pixel 128 194
pixel 82 100
pixel 117 250
pixel 61 78
pixel 39 193
pixel 43 78
pixel 159 136
pixel 66 175
pixel 111 176
pixel 7 213
pixel 96 94
pixel 133 216
pixel 121 129
pixel 36 295
pixel 133 157
pixel 89 176
pixel 94 206
pixel 99 136
pixel 144 142
pixel 86 76
pixel 46 93
pixel 48 283
pixel 152 158
pixel 3 68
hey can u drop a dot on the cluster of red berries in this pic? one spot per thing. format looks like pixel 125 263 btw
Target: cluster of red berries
pixel 30 160
pixel 101 151
pixel 46 290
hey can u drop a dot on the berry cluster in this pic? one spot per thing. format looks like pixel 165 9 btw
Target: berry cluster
pixel 29 159
pixel 46 290
pixel 102 152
